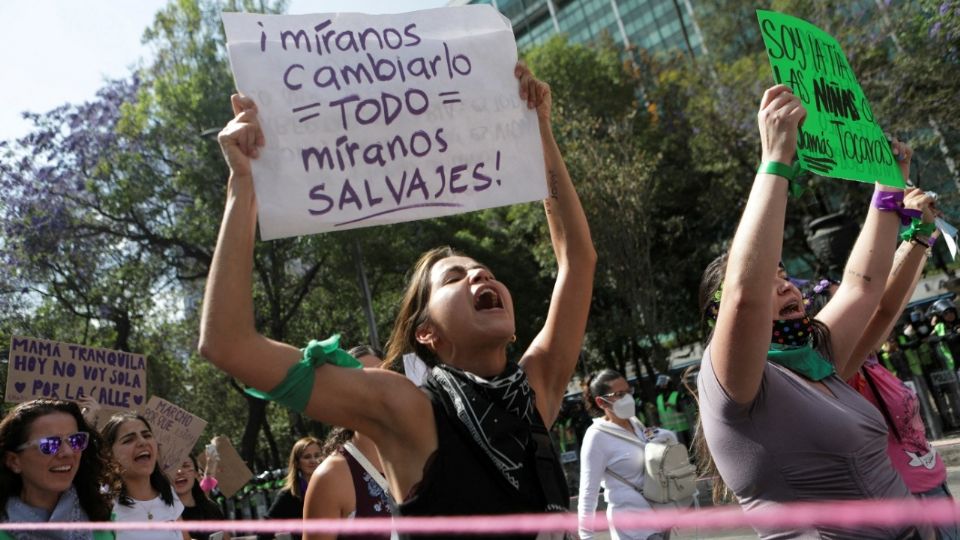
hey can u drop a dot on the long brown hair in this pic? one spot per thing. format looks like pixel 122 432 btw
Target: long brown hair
pixel 158 480
pixel 293 466
pixel 413 311
pixel 94 469
pixel 710 283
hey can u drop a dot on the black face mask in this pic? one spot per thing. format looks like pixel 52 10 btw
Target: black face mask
pixel 792 332
pixel 791 346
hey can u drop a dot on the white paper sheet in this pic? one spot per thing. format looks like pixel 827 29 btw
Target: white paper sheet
pixel 375 119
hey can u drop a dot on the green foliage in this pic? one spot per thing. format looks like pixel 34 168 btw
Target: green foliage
pixel 584 80
pixel 110 224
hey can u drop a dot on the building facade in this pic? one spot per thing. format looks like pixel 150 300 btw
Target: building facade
pixel 655 25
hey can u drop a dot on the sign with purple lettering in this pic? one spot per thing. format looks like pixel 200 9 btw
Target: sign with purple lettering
pixel 176 431
pixel 40 368
pixel 376 119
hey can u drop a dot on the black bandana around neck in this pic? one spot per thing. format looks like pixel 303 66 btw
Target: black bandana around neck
pixel 497 413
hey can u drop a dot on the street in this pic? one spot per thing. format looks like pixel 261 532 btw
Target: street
pixel 953 480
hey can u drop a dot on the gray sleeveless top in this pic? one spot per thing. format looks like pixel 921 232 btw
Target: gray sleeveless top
pixel 795 443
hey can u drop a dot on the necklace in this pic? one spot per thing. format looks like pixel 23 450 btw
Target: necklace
pixel 149 506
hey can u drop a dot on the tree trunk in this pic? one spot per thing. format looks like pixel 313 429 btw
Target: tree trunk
pixel 256 417
pixel 275 460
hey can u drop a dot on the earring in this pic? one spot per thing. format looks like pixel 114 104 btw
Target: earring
pixel 513 338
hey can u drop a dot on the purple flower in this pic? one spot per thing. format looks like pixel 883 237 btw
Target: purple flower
pixel 935 29
pixel 944 7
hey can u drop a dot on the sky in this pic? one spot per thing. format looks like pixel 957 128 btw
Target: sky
pixel 61 51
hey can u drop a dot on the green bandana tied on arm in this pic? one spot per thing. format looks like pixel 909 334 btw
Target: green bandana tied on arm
pixel 295 389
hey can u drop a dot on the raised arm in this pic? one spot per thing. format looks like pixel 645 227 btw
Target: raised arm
pixel 228 336
pixel 864 278
pixel 552 357
pixel 907 265
pixel 741 336
pixel 378 403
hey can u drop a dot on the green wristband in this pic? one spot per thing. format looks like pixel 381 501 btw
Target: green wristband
pixel 783 170
pixel 918 229
pixel 295 389
pixel 777 168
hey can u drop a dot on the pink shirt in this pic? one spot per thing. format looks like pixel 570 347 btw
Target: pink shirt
pixel 918 463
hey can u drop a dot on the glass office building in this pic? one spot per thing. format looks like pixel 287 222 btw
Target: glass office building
pixel 656 25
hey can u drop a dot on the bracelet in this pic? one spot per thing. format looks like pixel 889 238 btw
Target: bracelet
pixel 892 201
pixel 919 232
pixel 789 172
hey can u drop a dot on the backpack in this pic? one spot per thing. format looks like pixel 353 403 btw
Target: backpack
pixel 668 477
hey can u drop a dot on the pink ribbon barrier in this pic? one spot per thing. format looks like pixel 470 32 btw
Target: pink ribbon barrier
pixel 847 514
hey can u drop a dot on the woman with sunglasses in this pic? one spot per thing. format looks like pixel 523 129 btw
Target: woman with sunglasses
pixel 52 470
pixel 145 492
pixel 612 452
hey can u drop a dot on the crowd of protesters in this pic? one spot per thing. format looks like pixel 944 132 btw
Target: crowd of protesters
pixel 793 403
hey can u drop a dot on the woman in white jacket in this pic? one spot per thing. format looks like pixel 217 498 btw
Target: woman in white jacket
pixel 612 453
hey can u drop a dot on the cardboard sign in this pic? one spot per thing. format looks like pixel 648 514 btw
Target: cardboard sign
pixel 232 473
pixel 840 137
pixel 176 431
pixel 41 368
pixel 375 119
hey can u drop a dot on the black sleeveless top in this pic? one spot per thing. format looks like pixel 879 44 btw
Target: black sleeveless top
pixel 459 479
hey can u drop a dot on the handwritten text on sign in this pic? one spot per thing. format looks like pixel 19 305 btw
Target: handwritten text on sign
pixel 840 137
pixel 40 368
pixel 375 119
pixel 176 431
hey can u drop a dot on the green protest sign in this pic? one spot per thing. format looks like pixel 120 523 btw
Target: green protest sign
pixel 840 137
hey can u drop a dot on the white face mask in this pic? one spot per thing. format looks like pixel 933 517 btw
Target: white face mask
pixel 624 408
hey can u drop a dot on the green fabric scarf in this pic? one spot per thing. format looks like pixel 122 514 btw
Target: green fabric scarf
pixel 803 360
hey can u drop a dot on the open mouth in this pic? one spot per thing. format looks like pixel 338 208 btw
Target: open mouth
pixel 61 469
pixel 143 456
pixel 792 309
pixel 487 299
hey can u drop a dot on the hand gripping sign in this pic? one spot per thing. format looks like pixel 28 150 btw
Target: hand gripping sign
pixel 840 137
pixel 376 119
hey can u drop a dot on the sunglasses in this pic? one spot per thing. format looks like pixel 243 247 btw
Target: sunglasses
pixel 49 446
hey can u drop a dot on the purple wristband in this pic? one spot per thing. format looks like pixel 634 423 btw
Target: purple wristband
pixel 892 201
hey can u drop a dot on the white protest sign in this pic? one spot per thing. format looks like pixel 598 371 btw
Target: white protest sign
pixel 176 431
pixel 40 368
pixel 949 233
pixel 376 119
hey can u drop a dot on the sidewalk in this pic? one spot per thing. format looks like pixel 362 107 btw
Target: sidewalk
pixel 950 449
